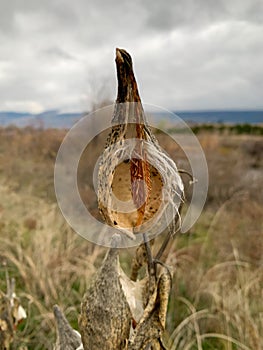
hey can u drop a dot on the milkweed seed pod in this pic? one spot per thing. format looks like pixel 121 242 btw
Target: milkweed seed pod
pixel 105 318
pixel 149 330
pixel 67 337
pixel 137 181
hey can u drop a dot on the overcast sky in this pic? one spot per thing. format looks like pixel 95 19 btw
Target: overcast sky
pixel 187 54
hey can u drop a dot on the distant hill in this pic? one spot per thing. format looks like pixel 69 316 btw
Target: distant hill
pixel 55 119
pixel 232 116
pixel 47 119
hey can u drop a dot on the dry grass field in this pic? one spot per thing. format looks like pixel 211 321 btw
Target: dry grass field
pixel 217 295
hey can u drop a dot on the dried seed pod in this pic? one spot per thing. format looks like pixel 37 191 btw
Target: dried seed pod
pixel 105 318
pixel 148 332
pixel 67 337
pixel 137 180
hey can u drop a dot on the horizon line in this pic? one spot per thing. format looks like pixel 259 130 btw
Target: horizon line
pixel 174 110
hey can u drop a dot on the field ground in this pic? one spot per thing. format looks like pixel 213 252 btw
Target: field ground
pixel 217 293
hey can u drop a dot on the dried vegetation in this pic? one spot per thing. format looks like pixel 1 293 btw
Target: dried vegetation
pixel 216 299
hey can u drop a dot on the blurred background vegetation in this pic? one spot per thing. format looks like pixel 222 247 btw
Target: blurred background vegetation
pixel 217 293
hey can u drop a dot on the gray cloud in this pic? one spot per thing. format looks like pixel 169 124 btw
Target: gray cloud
pixel 187 53
pixel 199 13
pixel 57 53
pixel 183 13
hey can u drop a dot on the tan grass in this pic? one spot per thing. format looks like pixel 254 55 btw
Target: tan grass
pixel 216 299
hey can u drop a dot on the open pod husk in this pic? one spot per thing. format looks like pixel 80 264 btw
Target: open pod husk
pixel 139 188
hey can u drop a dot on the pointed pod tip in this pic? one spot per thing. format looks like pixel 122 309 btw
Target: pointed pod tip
pixel 57 312
pixel 119 56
